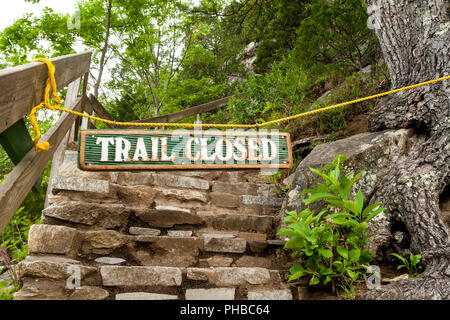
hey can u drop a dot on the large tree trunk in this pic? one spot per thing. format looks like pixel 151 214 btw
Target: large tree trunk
pixel 415 39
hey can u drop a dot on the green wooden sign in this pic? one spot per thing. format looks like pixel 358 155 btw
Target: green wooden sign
pixel 183 149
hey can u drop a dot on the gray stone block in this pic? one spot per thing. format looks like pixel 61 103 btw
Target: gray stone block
pixel 145 296
pixel 80 184
pixel 270 295
pixel 140 276
pixel 264 201
pixel 144 231
pixel 224 244
pixel 210 294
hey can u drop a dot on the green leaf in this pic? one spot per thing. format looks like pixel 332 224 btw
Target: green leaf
pixel 350 205
pixel 359 201
pixel 342 251
pixel 326 253
pixel 327 279
pixel 337 263
pixel 295 243
pixel 339 215
pixel 306 191
pixel 336 203
pixel 399 257
pixel 327 271
pixel 296 275
pixel 311 238
pixel 286 232
pixel 305 213
pixel 369 208
pixel 354 255
pixel 327 237
pixel 374 214
pixel 352 274
pixel 341 221
pixel 296 268
pixel 314 281
pixel 415 259
pixel 322 174
pixel 334 174
pixel 366 256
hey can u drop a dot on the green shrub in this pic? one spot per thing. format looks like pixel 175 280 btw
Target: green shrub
pixel 413 265
pixel 331 243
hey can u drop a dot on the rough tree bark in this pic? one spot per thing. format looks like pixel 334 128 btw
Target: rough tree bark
pixel 415 39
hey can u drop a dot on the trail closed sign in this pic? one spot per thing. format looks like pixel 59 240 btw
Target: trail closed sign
pixel 183 149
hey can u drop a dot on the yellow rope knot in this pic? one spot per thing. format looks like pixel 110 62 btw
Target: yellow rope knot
pixel 51 84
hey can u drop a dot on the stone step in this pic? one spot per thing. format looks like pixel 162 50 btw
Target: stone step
pixel 117 216
pixel 210 294
pixel 238 222
pixel 206 242
pixel 172 250
pixel 70 242
pixel 101 281
pixel 251 283
pixel 129 276
pixel 118 276
pixel 145 296
pixel 227 176
pixel 170 186
pixel 270 295
pixel 234 276
pixel 253 189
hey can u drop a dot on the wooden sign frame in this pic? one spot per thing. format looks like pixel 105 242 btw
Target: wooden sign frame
pixel 85 162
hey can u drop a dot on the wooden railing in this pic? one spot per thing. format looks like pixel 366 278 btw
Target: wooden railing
pixel 22 88
pixel 186 113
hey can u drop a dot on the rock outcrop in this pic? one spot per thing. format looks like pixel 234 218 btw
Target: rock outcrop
pixel 373 152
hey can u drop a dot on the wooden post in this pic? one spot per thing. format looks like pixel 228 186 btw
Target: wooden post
pixel 58 157
pixel 16 141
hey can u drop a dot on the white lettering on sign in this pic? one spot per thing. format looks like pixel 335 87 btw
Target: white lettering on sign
pixel 123 147
pixel 141 151
pixel 252 148
pixel 188 149
pixel 219 149
pixel 164 156
pixel 265 150
pixel 105 144
pixel 224 149
pixel 239 144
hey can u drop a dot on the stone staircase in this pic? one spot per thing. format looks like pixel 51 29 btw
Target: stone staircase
pixel 156 235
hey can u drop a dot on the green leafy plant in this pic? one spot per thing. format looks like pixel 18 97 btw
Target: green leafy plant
pixel 413 265
pixel 331 243
pixel 7 291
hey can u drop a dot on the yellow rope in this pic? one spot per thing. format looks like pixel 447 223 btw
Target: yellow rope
pixel 51 84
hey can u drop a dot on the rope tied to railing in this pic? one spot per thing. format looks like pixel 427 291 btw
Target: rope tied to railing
pixel 51 84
